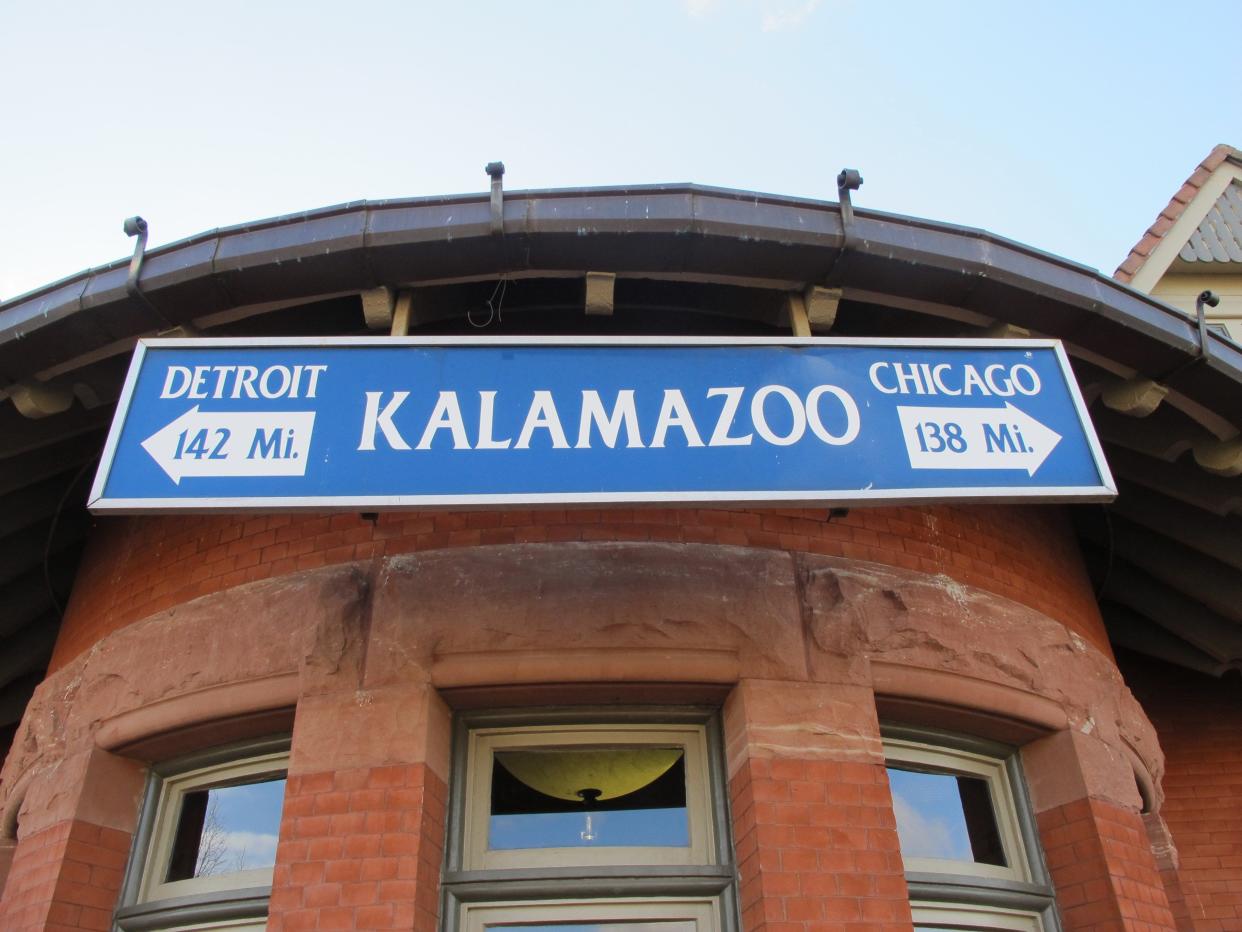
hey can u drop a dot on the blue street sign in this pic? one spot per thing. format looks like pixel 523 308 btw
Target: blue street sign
pixel 369 423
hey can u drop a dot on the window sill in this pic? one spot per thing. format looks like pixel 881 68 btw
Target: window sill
pixel 248 903
pixel 1003 894
pixel 473 886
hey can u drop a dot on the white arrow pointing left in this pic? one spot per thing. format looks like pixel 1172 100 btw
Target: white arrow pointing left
pixel 233 443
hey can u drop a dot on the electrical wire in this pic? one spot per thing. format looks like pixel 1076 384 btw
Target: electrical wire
pixel 494 304
pixel 51 534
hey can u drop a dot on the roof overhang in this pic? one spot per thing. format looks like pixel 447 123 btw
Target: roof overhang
pixel 681 231
pixel 731 248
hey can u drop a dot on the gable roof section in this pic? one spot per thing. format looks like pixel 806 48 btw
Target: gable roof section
pixel 1218 239
pixel 1182 219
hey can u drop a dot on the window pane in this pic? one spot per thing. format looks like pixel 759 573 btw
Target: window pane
pixel 594 797
pixel 945 815
pixel 226 829
pixel 950 917
pixel 683 925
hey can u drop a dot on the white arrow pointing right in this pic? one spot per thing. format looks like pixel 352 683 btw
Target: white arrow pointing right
pixel 975 438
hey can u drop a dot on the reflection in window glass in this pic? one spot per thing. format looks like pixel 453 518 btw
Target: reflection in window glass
pixel 685 925
pixel 944 815
pixel 582 797
pixel 226 829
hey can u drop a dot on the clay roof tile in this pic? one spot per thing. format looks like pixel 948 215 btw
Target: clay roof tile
pixel 1177 204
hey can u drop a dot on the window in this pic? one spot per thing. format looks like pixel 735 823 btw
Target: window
pixel 654 915
pixel 971 854
pixel 605 822
pixel 206 841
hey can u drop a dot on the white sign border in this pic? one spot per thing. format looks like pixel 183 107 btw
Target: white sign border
pixel 97 504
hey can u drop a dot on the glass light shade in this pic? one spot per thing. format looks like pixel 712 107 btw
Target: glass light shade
pixel 565 774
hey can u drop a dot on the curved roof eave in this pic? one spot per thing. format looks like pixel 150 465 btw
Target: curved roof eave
pixel 657 230
pixel 76 333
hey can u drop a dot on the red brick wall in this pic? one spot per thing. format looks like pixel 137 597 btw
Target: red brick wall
pixel 67 876
pixel 817 847
pixel 8 848
pixel 1166 862
pixel 1102 868
pixel 1199 720
pixel 360 849
pixel 135 567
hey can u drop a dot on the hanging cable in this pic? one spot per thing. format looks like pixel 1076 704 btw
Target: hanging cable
pixel 494 304
pixel 51 534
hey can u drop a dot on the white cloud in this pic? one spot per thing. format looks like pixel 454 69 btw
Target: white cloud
pixel 776 15
pixel 923 837
pixel 246 851
pixel 699 7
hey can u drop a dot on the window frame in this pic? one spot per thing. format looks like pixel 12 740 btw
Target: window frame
pixel 963 916
pixel 963 889
pixel 484 742
pixel 469 890
pixel 228 901
pixel 475 917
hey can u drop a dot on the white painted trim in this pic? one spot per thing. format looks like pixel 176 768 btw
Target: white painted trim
pixel 955 916
pixel 635 914
pixel 167 814
pixel 809 498
pixel 484 742
pixel 493 340
pixel 951 761
pixel 121 412
pixel 1162 257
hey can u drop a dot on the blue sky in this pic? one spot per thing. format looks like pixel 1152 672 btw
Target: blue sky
pixel 627 827
pixel 248 818
pixel 1063 125
pixel 930 820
